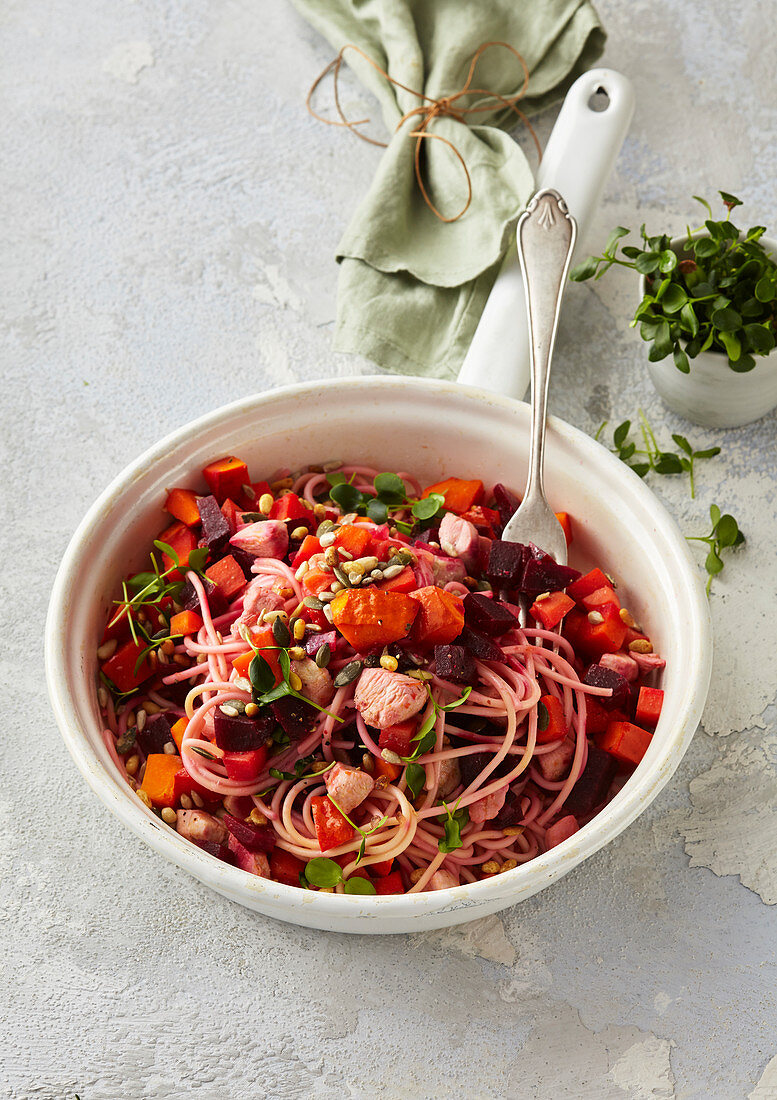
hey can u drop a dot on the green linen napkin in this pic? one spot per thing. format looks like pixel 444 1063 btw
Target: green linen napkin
pixel 412 287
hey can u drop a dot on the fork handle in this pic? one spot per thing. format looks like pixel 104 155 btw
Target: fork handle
pixel 546 236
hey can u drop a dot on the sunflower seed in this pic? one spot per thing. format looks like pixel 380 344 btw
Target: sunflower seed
pixel 392 571
pixel 327 538
pixel 329 614
pixel 348 674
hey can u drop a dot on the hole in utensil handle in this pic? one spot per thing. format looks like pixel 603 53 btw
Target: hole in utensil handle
pixel 599 101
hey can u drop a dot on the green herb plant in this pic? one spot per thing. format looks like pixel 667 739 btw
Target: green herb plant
pixel 720 294
pixel 390 496
pixel 725 534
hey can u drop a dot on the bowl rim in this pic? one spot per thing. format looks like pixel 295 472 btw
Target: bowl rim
pixel 289 902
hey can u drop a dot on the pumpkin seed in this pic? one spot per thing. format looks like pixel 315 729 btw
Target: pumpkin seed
pixel 314 603
pixel 348 674
pixel 324 526
pixel 281 633
pixel 126 741
pixel 341 575
pixel 323 655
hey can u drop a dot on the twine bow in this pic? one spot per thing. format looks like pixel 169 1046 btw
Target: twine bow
pixel 446 106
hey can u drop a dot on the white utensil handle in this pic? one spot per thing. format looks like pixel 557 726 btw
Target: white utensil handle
pixel 577 160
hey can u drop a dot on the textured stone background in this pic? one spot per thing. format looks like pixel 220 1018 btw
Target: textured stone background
pixel 171 214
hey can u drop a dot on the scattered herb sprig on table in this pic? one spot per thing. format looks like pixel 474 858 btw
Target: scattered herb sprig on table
pixel 720 294
pixel 390 496
pixel 651 456
pixel 725 533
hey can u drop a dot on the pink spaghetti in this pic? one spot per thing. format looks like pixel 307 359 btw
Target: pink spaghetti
pixel 342 681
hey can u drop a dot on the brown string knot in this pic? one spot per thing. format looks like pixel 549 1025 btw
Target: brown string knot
pixel 446 106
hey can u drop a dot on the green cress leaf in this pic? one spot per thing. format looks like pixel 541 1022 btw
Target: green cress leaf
pixel 457 702
pixel 390 483
pixel 714 515
pixel 726 530
pixel 732 345
pixel 743 364
pixel 359 885
pixel 760 337
pixel 377 511
pixel 704 203
pixel 729 200
pixel 614 237
pixel 703 248
pixel 674 298
pixel 453 825
pixel 726 319
pixel 640 468
pixel 681 360
pixel 428 506
pixel 197 559
pixel 647 263
pixel 323 872
pixel 713 563
pixel 167 549
pixel 336 478
pixel 765 289
pixel 669 261
pixel 261 675
pixel 667 463
pixel 426 737
pixel 415 777
pixel 682 443
pixel 620 434
pixel 689 318
pixel 585 270
pixel 346 496
pixel 709 453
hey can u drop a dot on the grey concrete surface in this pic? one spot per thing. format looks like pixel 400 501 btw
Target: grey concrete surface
pixel 170 217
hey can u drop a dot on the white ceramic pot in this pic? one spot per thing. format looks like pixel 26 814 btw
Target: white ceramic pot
pixel 434 429
pixel 713 394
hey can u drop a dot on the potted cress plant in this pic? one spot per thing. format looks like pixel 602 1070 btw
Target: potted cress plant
pixel 708 309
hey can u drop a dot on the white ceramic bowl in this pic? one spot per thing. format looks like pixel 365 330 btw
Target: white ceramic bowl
pixel 712 394
pixel 433 429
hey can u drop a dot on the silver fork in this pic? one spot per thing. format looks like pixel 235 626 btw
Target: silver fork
pixel 546 237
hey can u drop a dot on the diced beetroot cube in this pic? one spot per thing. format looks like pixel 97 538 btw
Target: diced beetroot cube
pixel 506 502
pixel 220 851
pixel 157 732
pixel 479 645
pixel 256 863
pixel 257 838
pixel 543 574
pixel 215 529
pixel 455 663
pixel 190 601
pixel 237 733
pixel 601 677
pixel 295 715
pixel 472 765
pixel 487 615
pixel 244 560
pixel 592 786
pixel 505 565
pixel 510 814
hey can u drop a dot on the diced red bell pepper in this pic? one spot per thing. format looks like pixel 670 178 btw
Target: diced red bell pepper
pixel 551 723
pixel 601 597
pixel 290 506
pixel 232 513
pixel 380 548
pixel 285 868
pixel 565 520
pixel 183 540
pixel 403 582
pixel 626 742
pixel 551 610
pixel 226 477
pixel 383 868
pixel 594 639
pixel 460 495
pixel 398 738
pixel 182 505
pixel 440 619
pixel 250 500
pixel 120 668
pixel 355 538
pixel 485 519
pixel 587 584
pixel 331 827
pixel 184 784
pixel 309 546
pixel 633 635
pixel 316 618
pixel 228 576
pixel 390 884
pixel 245 766
pixel 185 622
pixel 649 705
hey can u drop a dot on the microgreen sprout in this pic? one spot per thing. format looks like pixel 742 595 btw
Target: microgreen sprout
pixel 455 820
pixel 725 535
pixel 651 457
pixel 363 833
pixel 390 496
